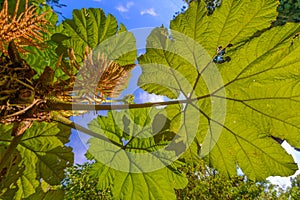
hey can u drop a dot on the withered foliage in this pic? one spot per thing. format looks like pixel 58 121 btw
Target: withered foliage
pixel 26 29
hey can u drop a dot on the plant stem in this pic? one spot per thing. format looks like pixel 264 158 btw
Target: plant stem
pixel 52 105
pixel 73 125
pixel 9 151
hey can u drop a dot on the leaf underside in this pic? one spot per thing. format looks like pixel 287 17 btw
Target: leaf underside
pixel 232 109
pixel 257 89
pixel 43 156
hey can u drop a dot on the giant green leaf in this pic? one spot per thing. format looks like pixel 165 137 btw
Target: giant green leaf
pixel 47 54
pixel 242 102
pixel 234 22
pixel 88 28
pixel 43 155
pixel 10 173
pixel 136 137
pixel 38 59
pixel 47 194
pixel 43 149
pixel 128 162
pixel 158 184
pixel 92 28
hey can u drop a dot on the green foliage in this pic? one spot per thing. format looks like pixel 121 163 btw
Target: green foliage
pixel 91 27
pixel 206 183
pixel 247 79
pixel 38 59
pixel 252 80
pixel 12 6
pixel 47 192
pixel 294 191
pixel 289 11
pixel 52 3
pixel 88 28
pixel 40 154
pixel 10 173
pixel 233 83
pixel 78 184
pixel 84 182
pixel 126 171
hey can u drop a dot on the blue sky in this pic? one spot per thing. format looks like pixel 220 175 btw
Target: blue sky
pixel 134 14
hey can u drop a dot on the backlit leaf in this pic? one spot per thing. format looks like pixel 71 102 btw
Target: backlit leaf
pixel 126 168
pixel 43 155
pixel 242 101
pixel 92 28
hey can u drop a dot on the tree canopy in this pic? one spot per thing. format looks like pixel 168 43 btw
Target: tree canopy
pixel 230 80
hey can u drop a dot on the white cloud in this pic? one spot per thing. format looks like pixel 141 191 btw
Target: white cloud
pixel 126 8
pixel 129 4
pixel 122 9
pixel 149 11
pixel 146 97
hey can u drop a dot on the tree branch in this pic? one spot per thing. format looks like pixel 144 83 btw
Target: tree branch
pixel 53 105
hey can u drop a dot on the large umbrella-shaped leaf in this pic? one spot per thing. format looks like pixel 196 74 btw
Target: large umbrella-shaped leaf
pixel 240 75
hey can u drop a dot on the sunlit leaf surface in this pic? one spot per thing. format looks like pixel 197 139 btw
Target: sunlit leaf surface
pixel 253 79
